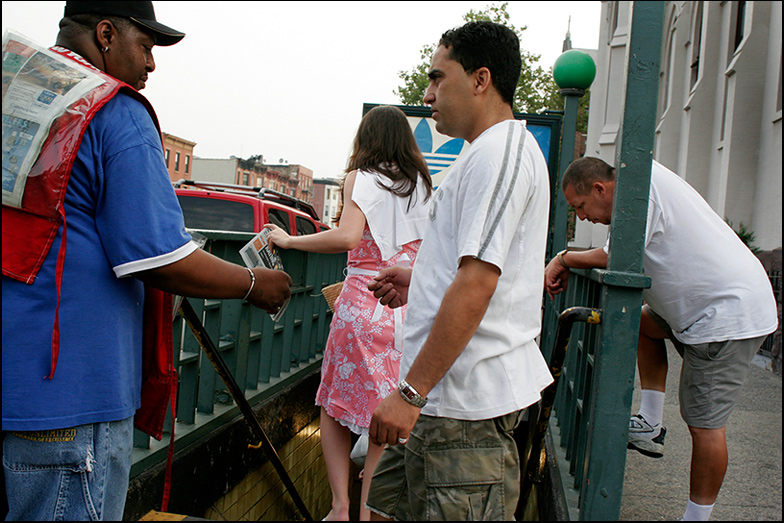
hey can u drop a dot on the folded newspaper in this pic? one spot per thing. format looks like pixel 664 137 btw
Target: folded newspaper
pixel 257 253
pixel 38 86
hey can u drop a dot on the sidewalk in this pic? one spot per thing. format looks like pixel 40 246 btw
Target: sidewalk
pixel 658 489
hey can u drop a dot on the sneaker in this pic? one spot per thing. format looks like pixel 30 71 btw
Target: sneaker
pixel 645 439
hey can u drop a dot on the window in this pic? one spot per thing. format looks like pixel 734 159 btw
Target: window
pixel 304 226
pixel 696 43
pixel 245 177
pixel 176 162
pixel 778 97
pixel 724 109
pixel 613 6
pixel 215 214
pixel 740 23
pixel 187 163
pixel 279 218
pixel 167 158
pixel 667 74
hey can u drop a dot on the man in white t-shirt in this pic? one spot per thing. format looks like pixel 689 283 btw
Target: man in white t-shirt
pixel 709 295
pixel 470 363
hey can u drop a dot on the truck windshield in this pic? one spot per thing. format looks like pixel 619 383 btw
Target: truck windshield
pixel 216 215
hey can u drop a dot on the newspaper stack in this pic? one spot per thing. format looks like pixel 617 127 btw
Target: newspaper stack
pixel 38 86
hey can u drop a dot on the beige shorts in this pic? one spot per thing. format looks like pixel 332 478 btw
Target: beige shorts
pixel 712 376
pixel 450 470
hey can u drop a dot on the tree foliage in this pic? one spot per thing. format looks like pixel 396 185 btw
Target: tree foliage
pixel 746 235
pixel 536 90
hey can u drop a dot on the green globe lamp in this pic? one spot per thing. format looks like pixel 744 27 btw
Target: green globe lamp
pixel 574 71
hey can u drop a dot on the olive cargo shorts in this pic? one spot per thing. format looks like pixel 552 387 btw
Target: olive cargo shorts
pixel 450 470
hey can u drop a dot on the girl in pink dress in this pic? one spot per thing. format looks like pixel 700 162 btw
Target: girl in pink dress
pixel 382 219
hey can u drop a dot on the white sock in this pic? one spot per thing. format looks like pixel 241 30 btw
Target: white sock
pixel 695 512
pixel 652 406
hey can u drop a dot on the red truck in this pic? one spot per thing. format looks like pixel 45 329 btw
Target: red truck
pixel 239 208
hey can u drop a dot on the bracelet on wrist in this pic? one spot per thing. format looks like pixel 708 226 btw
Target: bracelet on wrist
pixel 560 257
pixel 252 283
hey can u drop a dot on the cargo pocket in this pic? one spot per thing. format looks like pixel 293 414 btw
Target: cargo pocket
pixel 465 484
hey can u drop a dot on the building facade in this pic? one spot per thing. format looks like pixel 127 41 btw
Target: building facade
pixel 719 123
pixel 293 180
pixel 178 153
pixel 326 199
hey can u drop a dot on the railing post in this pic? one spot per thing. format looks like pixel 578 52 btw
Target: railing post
pixel 621 304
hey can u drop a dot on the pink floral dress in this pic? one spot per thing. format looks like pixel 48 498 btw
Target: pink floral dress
pixel 362 357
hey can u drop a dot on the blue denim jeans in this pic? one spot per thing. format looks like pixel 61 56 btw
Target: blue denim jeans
pixel 75 474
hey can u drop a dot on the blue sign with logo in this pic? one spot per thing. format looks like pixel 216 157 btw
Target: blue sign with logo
pixel 441 151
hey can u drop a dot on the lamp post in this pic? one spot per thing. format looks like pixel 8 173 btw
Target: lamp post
pixel 573 71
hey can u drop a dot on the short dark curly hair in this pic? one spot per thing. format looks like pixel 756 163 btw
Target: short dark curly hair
pixel 487 44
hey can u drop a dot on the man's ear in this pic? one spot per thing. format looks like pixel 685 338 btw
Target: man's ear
pixel 104 33
pixel 482 80
pixel 605 189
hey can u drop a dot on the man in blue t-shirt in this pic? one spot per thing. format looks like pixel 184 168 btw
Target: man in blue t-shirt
pixel 68 440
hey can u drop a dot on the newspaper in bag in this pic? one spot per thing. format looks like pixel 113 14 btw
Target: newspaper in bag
pixel 38 86
pixel 257 253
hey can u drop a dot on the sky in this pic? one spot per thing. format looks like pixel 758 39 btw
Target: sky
pixel 288 79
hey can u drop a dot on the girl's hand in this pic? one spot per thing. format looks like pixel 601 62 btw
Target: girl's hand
pixel 278 237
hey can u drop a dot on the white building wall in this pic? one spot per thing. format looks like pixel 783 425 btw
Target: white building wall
pixel 331 204
pixel 722 133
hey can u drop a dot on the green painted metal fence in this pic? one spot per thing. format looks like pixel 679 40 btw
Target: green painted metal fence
pixel 595 390
pixel 261 355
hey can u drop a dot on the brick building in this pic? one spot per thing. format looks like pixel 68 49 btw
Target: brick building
pixel 292 179
pixel 326 198
pixel 178 153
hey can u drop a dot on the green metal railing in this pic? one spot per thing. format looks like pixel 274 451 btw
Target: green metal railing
pixel 594 396
pixel 261 355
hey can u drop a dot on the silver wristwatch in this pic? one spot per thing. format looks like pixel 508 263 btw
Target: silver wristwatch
pixel 410 394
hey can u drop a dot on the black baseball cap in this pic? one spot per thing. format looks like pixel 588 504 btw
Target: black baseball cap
pixel 141 13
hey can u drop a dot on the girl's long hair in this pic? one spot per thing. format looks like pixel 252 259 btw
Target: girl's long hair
pixel 385 144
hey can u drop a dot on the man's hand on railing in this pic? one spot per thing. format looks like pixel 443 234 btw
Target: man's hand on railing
pixel 556 274
pixel 556 278
pixel 390 286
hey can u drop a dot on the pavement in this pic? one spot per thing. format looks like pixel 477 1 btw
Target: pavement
pixel 658 489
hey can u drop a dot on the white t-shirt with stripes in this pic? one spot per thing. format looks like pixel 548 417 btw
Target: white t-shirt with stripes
pixel 494 206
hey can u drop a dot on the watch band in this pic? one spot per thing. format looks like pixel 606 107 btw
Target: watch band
pixel 411 395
